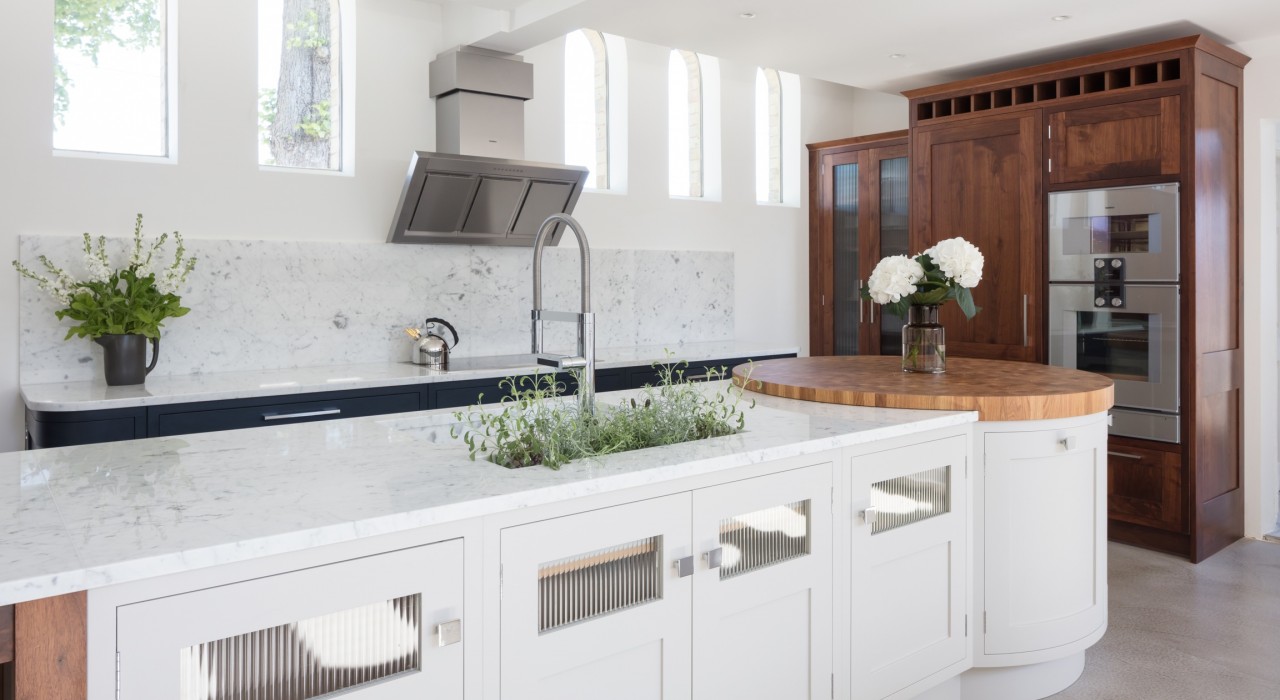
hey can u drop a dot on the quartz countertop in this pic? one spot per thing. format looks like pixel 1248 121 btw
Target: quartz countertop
pixel 96 395
pixel 76 518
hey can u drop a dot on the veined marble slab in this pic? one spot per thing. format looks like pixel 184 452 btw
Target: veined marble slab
pixel 96 395
pixel 76 518
pixel 278 304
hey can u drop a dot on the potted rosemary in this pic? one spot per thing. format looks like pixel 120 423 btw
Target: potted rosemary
pixel 916 288
pixel 120 308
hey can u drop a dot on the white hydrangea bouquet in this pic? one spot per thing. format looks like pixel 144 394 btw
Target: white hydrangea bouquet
pixel 131 300
pixel 948 270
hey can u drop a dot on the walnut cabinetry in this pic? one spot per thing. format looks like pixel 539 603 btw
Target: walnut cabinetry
pixel 980 179
pixel 858 214
pixel 986 153
pixel 1140 138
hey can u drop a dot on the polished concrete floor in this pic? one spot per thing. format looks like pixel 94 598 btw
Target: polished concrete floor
pixel 1195 632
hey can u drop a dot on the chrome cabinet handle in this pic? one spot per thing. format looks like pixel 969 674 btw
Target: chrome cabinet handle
pixel 714 558
pixel 869 515
pixel 303 414
pixel 684 566
pixel 1125 455
pixel 448 633
pixel 858 295
pixel 1025 341
pixel 872 304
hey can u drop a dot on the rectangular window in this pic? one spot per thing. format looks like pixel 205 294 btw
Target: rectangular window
pixel 300 86
pixel 111 83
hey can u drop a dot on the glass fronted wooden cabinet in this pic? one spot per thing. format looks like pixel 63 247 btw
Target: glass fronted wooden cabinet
pixel 858 211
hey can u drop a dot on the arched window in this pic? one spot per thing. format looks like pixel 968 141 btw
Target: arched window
pixel 768 136
pixel 586 104
pixel 302 108
pixel 685 121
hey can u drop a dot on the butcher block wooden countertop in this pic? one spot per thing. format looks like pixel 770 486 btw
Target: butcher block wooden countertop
pixel 998 390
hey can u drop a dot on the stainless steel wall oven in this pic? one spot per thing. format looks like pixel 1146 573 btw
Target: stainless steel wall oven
pixel 1114 298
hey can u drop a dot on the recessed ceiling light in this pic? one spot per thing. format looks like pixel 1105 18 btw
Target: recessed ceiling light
pixel 896 56
pixel 748 15
pixel 1060 18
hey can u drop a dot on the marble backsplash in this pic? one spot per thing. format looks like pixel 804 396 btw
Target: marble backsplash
pixel 276 304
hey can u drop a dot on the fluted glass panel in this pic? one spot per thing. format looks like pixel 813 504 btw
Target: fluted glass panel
pixel 845 278
pixel 761 538
pixel 597 583
pixel 911 499
pixel 310 658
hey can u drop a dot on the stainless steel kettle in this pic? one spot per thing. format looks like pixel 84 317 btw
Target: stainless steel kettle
pixel 431 349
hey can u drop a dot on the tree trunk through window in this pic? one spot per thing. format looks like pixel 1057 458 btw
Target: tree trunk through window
pixel 304 125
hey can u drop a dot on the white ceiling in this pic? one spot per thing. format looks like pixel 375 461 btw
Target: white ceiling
pixel 849 41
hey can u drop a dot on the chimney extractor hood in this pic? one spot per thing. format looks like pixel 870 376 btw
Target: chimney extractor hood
pixel 470 200
pixel 481 194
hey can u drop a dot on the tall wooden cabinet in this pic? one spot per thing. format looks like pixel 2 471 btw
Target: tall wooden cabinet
pixel 985 155
pixel 858 214
pixel 980 179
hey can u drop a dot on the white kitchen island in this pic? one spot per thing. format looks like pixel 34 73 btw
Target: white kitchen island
pixel 371 555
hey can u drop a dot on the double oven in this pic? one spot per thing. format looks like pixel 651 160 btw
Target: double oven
pixel 1114 299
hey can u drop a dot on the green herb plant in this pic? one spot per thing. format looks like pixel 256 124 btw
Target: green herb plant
pixel 534 425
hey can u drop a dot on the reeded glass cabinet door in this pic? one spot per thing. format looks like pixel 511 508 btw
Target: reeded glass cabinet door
pixel 846 304
pixel 762 587
pixel 862 216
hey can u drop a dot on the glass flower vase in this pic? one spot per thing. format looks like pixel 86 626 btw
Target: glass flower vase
pixel 924 341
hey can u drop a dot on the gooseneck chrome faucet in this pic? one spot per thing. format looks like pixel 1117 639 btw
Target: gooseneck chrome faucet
pixel 585 360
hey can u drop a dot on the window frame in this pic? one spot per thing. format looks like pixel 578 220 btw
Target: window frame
pixel 170 156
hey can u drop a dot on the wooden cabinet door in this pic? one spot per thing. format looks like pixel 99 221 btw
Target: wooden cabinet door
pixel 378 628
pixel 858 214
pixel 908 566
pixel 762 591
pixel 982 180
pixel 592 606
pixel 1045 575
pixel 1130 139
pixel 1144 483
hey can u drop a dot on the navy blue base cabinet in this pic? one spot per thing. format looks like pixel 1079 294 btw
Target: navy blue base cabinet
pixel 62 429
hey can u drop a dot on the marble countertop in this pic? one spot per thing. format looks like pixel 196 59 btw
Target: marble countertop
pixel 76 518
pixel 96 395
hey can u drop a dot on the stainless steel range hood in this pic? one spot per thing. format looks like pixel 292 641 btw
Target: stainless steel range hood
pixel 477 191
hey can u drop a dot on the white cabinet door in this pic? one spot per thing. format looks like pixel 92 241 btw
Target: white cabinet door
pixel 593 607
pixel 908 573
pixel 1045 537
pixel 380 628
pixel 762 592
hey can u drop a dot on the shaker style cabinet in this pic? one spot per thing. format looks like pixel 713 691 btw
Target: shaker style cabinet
pixel 720 592
pixel 1141 138
pixel 908 548
pixel 858 211
pixel 980 179
pixel 378 628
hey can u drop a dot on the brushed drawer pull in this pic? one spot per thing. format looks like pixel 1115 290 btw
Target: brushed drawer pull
pixel 1068 443
pixel 1025 339
pixel 698 377
pixel 714 558
pixel 870 515
pixel 449 633
pixel 303 414
pixel 684 566
pixel 1125 455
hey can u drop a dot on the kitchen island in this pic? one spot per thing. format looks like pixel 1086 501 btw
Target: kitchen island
pixel 373 549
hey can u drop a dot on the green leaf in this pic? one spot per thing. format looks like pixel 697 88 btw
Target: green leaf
pixel 964 297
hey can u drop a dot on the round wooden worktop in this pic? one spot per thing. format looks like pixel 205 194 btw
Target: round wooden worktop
pixel 998 390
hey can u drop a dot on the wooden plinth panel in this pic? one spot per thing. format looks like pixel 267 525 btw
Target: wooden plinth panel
pixel 51 648
pixel 997 390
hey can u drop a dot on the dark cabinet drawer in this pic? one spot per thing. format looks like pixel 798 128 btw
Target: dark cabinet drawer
pixel 696 371
pixel 1144 483
pixel 54 429
pixel 459 394
pixel 202 418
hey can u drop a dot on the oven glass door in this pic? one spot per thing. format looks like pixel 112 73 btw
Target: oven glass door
pixel 1136 345
pixel 1136 224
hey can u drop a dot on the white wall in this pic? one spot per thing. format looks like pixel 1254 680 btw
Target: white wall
pixel 1261 418
pixel 770 242
pixel 216 190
